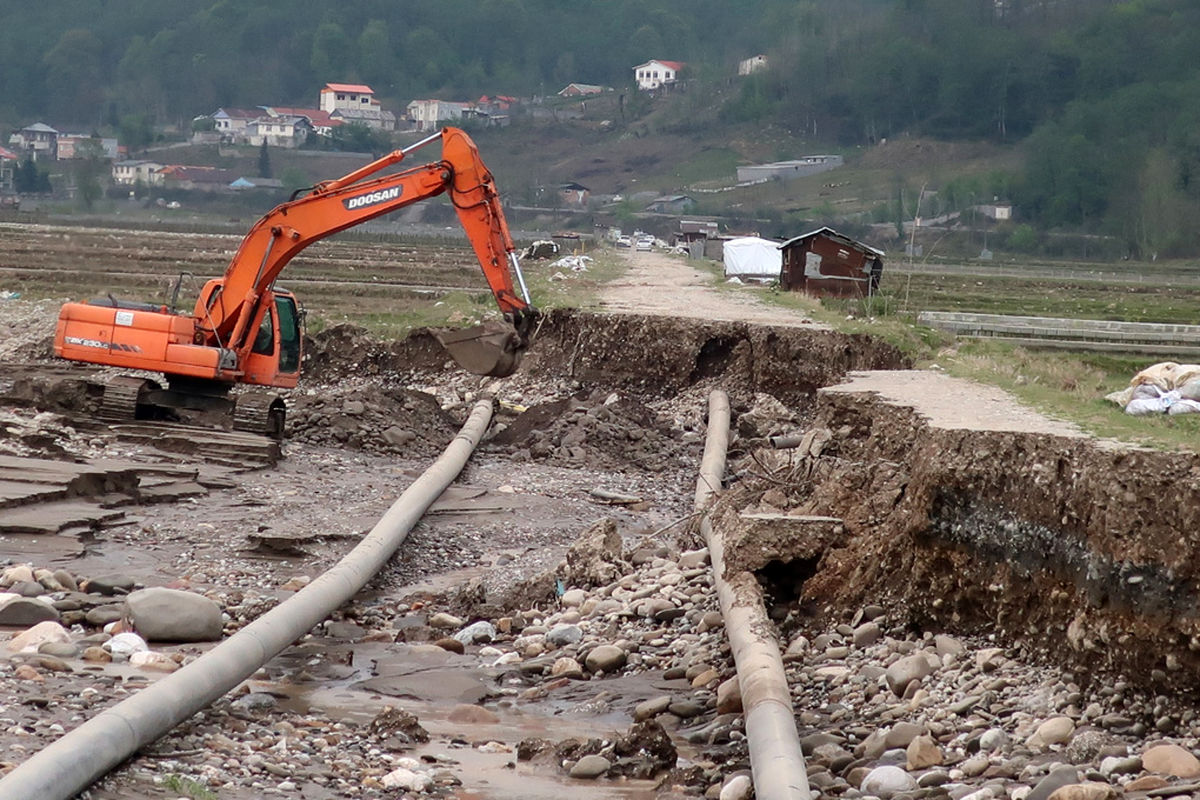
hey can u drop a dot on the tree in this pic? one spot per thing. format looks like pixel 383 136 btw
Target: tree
pixel 88 168
pixel 264 160
pixel 331 49
pixel 75 75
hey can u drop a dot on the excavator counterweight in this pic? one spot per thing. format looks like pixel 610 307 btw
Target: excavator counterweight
pixel 245 331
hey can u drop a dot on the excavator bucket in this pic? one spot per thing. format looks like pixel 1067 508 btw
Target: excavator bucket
pixel 489 349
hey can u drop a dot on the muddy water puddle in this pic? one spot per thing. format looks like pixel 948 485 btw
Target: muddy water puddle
pixel 432 683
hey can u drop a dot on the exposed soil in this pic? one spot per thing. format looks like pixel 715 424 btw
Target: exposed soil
pixel 942 501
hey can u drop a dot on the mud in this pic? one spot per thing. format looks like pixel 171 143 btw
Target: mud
pixel 1075 550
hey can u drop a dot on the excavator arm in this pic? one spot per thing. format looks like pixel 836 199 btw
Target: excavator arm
pixel 227 305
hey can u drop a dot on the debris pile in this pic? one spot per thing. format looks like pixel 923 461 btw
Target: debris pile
pixel 602 429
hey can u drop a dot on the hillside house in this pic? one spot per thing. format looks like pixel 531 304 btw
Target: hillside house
pixel 205 179
pixel 427 115
pixel 580 90
pixel 38 140
pixel 575 195
pixel 75 145
pixel 319 121
pixel 376 118
pixel 8 166
pixel 345 96
pixel 654 74
pixel 825 263
pixel 130 173
pixel 280 131
pixel 751 65
pixel 671 204
pixel 232 123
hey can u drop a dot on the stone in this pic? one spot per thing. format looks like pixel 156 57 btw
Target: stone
pixel 111 584
pixel 561 635
pixel 21 611
pixel 589 767
pixel 975 766
pixel 606 657
pixel 407 780
pixel 59 649
pixel 648 709
pixel 96 654
pixel 711 620
pixel 482 631
pixel 445 621
pixel 685 709
pixel 1058 778
pixel 1056 730
pixel 66 580
pixel 1091 790
pixel 993 739
pixel 922 753
pixel 573 598
pixel 867 634
pixel 729 696
pixel 736 788
pixel 902 734
pixel 691 559
pixel 906 670
pixel 1146 783
pixel 21 573
pixel 156 662
pixel 883 782
pixel 397 436
pixel 472 715
pixel 1171 759
pixel 104 615
pixel 42 633
pixel 594 559
pixel 989 659
pixel 948 645
pixel 123 645
pixel 28 673
pixel 566 667
pixel 171 615
pixel 451 644
pixel 1120 765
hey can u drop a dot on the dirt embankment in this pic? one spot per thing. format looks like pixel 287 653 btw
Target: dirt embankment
pixel 1074 549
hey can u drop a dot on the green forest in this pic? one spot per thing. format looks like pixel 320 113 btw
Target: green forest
pixel 1102 96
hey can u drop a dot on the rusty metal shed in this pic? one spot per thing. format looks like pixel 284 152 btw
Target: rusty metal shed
pixel 827 264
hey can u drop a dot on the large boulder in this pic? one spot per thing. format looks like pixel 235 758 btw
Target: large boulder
pixel 171 615
pixel 595 557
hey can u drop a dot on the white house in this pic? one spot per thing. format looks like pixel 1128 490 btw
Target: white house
pixel 280 131
pixel 346 96
pixel 38 140
pixel 426 114
pixel 232 123
pixel 654 74
pixel 751 65
pixel 129 173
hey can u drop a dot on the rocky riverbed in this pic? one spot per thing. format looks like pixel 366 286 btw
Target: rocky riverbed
pixel 552 627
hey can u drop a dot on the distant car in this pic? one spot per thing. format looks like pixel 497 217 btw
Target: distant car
pixel 624 241
pixel 645 243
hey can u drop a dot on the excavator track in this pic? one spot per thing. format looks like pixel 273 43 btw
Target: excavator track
pixel 120 400
pixel 260 412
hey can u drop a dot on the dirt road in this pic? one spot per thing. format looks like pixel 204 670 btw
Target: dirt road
pixel 658 283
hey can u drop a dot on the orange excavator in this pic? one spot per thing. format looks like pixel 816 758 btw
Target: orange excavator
pixel 245 330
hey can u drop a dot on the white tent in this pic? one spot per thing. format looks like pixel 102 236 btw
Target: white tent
pixel 752 257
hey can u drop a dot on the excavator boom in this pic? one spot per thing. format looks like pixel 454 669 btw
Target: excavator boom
pixel 333 206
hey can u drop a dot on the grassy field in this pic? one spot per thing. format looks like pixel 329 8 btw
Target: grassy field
pixel 1063 384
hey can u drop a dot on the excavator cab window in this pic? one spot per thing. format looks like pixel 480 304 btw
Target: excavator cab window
pixel 289 334
pixel 264 342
